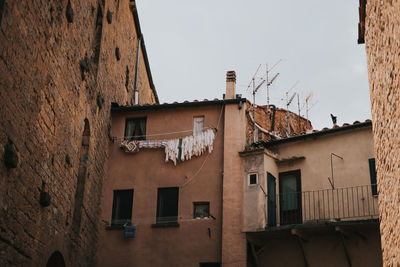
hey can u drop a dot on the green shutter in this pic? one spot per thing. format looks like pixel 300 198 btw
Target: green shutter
pixel 372 174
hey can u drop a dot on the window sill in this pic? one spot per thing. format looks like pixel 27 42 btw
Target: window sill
pixel 115 227
pixel 165 224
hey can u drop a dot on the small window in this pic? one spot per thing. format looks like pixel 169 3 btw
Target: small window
pixel 1 9
pixel 135 129
pixel 201 210
pixel 253 179
pixel 198 125
pixel 372 175
pixel 167 205
pixel 122 207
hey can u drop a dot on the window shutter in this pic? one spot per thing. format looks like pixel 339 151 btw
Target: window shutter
pixel 372 174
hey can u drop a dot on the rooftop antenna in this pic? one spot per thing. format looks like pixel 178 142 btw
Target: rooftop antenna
pixel 309 105
pixel 288 102
pixel 255 89
pixel 269 82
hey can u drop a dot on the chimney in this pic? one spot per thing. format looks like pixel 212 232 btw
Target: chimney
pixel 230 85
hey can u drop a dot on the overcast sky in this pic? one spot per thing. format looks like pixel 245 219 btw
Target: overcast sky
pixel 191 45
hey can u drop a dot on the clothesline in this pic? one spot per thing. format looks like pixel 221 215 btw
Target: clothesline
pixel 159 134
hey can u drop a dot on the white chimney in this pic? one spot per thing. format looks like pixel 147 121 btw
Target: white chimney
pixel 230 85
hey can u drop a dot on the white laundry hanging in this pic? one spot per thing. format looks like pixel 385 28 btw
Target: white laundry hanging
pixel 190 146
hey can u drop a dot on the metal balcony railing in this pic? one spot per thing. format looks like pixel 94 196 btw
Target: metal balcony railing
pixel 348 203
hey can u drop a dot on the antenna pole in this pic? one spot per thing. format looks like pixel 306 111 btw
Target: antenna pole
pixel 254 110
pixel 266 78
pixel 298 106
pixel 287 113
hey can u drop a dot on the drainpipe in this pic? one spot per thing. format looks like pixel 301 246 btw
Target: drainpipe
pixel 135 89
pixel 273 117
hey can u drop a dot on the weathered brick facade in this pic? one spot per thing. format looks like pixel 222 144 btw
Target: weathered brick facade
pixel 62 64
pixel 382 41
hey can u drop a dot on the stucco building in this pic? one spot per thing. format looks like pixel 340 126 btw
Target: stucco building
pixel 239 203
pixel 379 29
pixel 311 200
pixel 62 63
pixel 176 205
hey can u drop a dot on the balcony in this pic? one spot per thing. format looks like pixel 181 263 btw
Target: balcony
pixel 357 203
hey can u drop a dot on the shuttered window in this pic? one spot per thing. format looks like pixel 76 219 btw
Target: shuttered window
pixel 372 174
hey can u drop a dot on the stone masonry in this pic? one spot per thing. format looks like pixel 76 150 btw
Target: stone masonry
pixel 382 41
pixel 62 64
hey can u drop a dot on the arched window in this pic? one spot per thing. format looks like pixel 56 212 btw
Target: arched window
pixel 56 260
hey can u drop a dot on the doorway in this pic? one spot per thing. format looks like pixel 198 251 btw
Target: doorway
pixel 290 197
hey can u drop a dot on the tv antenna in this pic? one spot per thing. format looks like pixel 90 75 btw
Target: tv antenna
pixel 288 102
pixel 255 89
pixel 269 82
pixel 309 104
pixel 256 86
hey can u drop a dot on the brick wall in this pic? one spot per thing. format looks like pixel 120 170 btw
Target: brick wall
pixel 59 72
pixel 383 46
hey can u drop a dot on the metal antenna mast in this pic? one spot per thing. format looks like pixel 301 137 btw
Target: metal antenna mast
pixel 269 82
pixel 288 102
pixel 255 89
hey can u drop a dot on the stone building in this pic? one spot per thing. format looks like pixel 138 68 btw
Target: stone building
pixel 379 29
pixel 62 64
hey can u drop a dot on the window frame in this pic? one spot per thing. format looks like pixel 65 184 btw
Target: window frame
pixel 201 203
pixel 136 135
pixel 249 179
pixel 118 221
pixel 160 211
pixel 195 132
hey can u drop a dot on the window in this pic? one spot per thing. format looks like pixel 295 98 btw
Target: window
pixel 167 205
pixel 253 179
pixel 372 175
pixel 201 209
pixel 1 8
pixel 198 125
pixel 122 207
pixel 135 129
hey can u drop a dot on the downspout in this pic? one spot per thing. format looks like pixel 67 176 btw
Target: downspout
pixel 273 117
pixel 135 89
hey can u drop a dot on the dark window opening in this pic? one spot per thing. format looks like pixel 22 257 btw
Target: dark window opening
pixel 1 8
pixel 167 205
pixel 122 207
pixel 253 179
pixel 372 175
pixel 56 260
pixel 201 210
pixel 127 78
pixel 135 129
